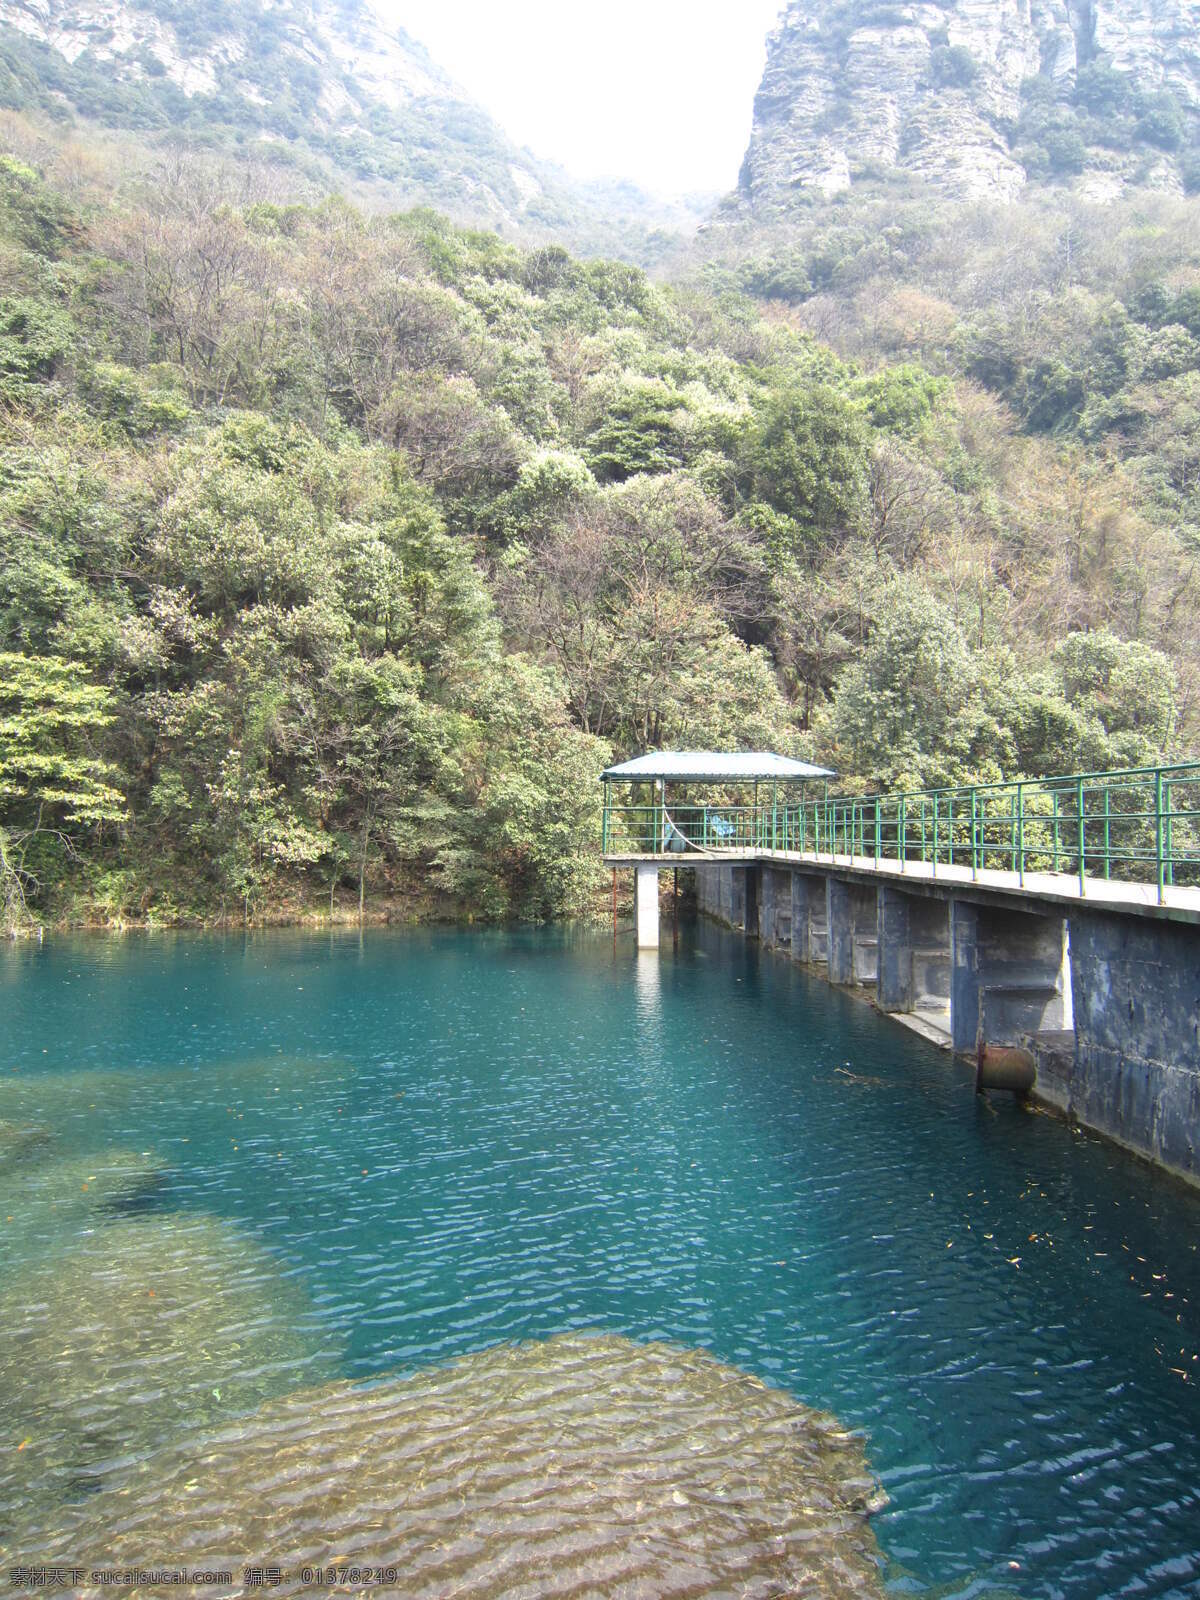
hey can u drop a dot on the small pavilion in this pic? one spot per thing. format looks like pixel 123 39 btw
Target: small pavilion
pixel 747 799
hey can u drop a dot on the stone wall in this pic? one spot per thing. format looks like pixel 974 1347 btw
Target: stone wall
pixel 1136 1077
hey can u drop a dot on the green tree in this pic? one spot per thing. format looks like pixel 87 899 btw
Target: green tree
pixel 642 430
pixel 808 457
pixel 525 842
pixel 1127 687
pixel 911 711
pixel 54 784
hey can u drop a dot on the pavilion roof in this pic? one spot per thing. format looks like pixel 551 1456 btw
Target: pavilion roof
pixel 715 766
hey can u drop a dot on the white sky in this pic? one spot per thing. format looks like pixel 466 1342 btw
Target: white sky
pixel 660 91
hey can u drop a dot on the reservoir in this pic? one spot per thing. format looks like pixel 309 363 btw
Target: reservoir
pixel 380 1154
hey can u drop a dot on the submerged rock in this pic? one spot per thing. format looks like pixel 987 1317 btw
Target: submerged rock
pixel 78 1096
pixel 68 1190
pixel 134 1332
pixel 20 1144
pixel 46 1207
pixel 581 1465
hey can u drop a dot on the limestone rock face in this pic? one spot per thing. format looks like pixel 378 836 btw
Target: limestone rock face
pixel 386 66
pixel 938 90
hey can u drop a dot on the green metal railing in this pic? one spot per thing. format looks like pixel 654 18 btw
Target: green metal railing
pixel 1140 825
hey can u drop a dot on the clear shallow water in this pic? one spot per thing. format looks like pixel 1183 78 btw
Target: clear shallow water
pixel 444 1140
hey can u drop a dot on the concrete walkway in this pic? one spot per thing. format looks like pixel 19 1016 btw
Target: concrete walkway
pixel 1101 894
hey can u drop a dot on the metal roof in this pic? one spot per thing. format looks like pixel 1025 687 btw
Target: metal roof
pixel 715 766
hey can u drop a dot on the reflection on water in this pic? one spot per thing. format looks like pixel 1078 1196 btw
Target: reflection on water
pixel 647 978
pixel 572 1466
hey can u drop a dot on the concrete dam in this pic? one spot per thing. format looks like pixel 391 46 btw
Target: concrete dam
pixel 1047 931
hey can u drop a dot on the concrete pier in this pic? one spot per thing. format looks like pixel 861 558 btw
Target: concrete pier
pixel 852 919
pixel 1008 975
pixel 768 932
pixel 646 906
pixel 895 963
pixel 743 898
pixel 809 919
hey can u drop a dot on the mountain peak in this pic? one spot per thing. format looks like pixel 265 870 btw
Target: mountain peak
pixel 978 99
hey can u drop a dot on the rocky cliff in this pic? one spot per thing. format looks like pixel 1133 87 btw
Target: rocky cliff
pixel 980 97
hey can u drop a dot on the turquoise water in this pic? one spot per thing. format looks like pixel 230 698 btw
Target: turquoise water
pixel 448 1139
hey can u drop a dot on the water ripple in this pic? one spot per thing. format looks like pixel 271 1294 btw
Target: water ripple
pixel 426 1145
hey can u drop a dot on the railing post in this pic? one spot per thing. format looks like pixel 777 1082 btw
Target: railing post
pixel 1021 834
pixel 950 829
pixel 1107 833
pixel 935 833
pixel 974 835
pixel 878 840
pixel 1054 858
pixel 902 839
pixel 1082 838
pixel 1158 831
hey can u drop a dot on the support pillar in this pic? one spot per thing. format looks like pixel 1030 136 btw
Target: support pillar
pixel 840 914
pixel 802 889
pixel 964 976
pixel 895 970
pixel 766 912
pixel 646 897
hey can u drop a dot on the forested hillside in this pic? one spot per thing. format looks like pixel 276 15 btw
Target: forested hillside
pixel 339 552
pixel 320 95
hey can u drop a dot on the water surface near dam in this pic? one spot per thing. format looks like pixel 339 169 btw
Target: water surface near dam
pixel 380 1154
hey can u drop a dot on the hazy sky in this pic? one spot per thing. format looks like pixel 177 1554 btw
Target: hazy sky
pixel 656 90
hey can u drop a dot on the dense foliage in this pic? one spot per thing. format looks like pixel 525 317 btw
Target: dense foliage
pixel 337 553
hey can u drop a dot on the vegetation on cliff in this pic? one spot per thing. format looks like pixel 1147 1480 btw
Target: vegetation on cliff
pixel 322 95
pixel 339 552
